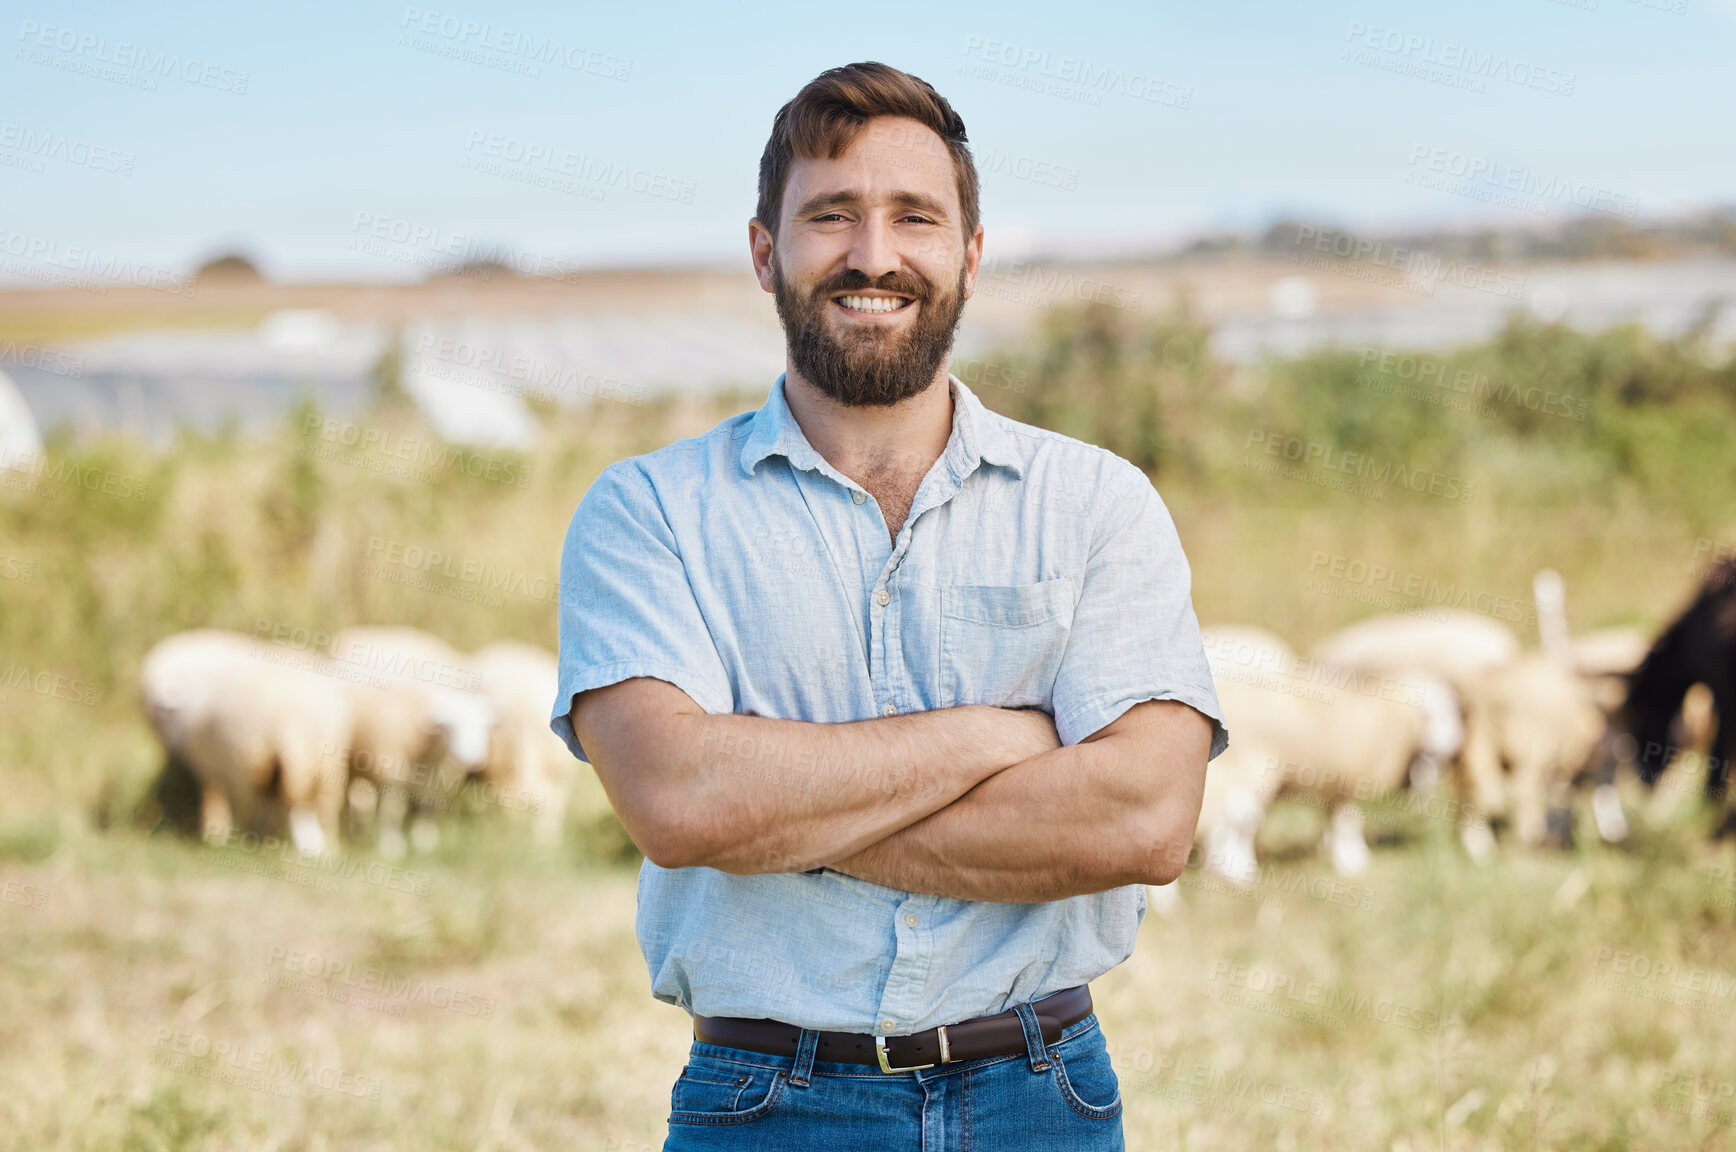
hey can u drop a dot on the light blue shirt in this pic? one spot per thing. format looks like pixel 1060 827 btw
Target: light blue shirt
pixel 741 567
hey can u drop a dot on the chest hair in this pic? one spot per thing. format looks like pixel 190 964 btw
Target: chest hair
pixel 894 492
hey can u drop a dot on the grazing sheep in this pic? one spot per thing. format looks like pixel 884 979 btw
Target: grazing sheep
pixel 1458 648
pixel 1239 784
pixel 177 677
pixel 527 763
pixel 1532 727
pixel 254 726
pixel 1360 743
pixel 417 705
pixel 1317 730
pixel 1609 651
pixel 288 727
pixel 1604 659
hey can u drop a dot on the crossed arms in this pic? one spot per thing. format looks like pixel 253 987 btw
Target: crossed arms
pixel 975 802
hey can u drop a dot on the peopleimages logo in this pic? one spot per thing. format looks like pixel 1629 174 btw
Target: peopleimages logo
pixel 80 50
pixel 1482 178
pixel 75 266
pixel 478 576
pixel 1361 573
pixel 469 39
pixel 1046 283
pixel 42 359
pixel 1358 464
pixel 429 455
pixel 1414 266
pixel 258 1069
pixel 582 166
pixel 417 242
pixel 1334 1003
pixel 1446 61
pixel 402 989
pixel 37 146
pixel 1396 372
pixel 1078 78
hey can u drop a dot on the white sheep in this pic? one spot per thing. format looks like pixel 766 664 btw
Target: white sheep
pixel 255 726
pixel 417 706
pixel 1315 729
pixel 1238 784
pixel 176 679
pixel 1609 651
pixel 1601 661
pixel 528 765
pixel 1532 725
pixel 1458 647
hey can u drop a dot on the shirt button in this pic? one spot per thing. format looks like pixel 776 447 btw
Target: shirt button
pixel 888 1024
pixel 889 710
pixel 858 497
pixel 910 920
pixel 882 597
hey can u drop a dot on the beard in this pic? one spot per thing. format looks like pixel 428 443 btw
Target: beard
pixel 868 367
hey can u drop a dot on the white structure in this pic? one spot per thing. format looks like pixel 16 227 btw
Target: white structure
pixel 150 383
pixel 20 442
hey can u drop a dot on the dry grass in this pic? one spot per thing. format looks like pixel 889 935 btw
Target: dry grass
pixel 1434 1005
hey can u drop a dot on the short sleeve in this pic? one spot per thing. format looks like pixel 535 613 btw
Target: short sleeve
pixel 626 606
pixel 1134 635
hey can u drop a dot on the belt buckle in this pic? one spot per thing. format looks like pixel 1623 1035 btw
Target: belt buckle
pixel 886 1065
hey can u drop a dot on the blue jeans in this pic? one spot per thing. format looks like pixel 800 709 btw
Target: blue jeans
pixel 1063 1096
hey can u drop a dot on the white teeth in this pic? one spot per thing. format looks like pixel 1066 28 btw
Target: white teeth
pixel 872 303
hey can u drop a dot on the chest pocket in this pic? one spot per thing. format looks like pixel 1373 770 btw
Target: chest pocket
pixel 1001 644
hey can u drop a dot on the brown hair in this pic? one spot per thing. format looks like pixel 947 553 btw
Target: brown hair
pixel 828 113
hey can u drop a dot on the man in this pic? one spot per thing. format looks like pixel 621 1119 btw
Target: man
pixel 904 702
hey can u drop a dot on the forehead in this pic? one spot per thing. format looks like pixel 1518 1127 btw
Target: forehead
pixel 890 155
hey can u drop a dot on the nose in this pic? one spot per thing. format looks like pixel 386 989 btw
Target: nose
pixel 872 252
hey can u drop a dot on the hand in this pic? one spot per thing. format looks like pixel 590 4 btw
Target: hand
pixel 1031 732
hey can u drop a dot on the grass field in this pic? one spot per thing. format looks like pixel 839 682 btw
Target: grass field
pixel 164 994
pixel 160 993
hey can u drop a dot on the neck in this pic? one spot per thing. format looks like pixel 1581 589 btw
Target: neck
pixel 867 443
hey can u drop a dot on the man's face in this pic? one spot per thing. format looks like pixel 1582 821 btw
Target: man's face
pixel 871 267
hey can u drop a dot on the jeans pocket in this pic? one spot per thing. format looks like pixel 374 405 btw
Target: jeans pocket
pixel 720 1092
pixel 1086 1076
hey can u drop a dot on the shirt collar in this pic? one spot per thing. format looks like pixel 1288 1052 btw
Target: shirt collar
pixel 978 435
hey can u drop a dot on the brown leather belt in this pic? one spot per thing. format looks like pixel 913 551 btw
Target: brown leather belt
pixel 997 1035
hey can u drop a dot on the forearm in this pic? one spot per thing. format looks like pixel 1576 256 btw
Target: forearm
pixel 785 795
pixel 1071 821
pixel 750 794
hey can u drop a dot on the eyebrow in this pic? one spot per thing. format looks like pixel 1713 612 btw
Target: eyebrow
pixel 850 196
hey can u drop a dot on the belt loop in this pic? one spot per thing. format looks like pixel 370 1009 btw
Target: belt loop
pixel 1034 1047
pixel 805 1049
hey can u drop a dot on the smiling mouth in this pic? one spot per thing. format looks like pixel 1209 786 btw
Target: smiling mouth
pixel 872 304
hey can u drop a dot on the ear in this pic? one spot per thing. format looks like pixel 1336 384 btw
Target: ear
pixel 761 248
pixel 973 258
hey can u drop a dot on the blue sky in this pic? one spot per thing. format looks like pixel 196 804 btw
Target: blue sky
pixel 391 120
